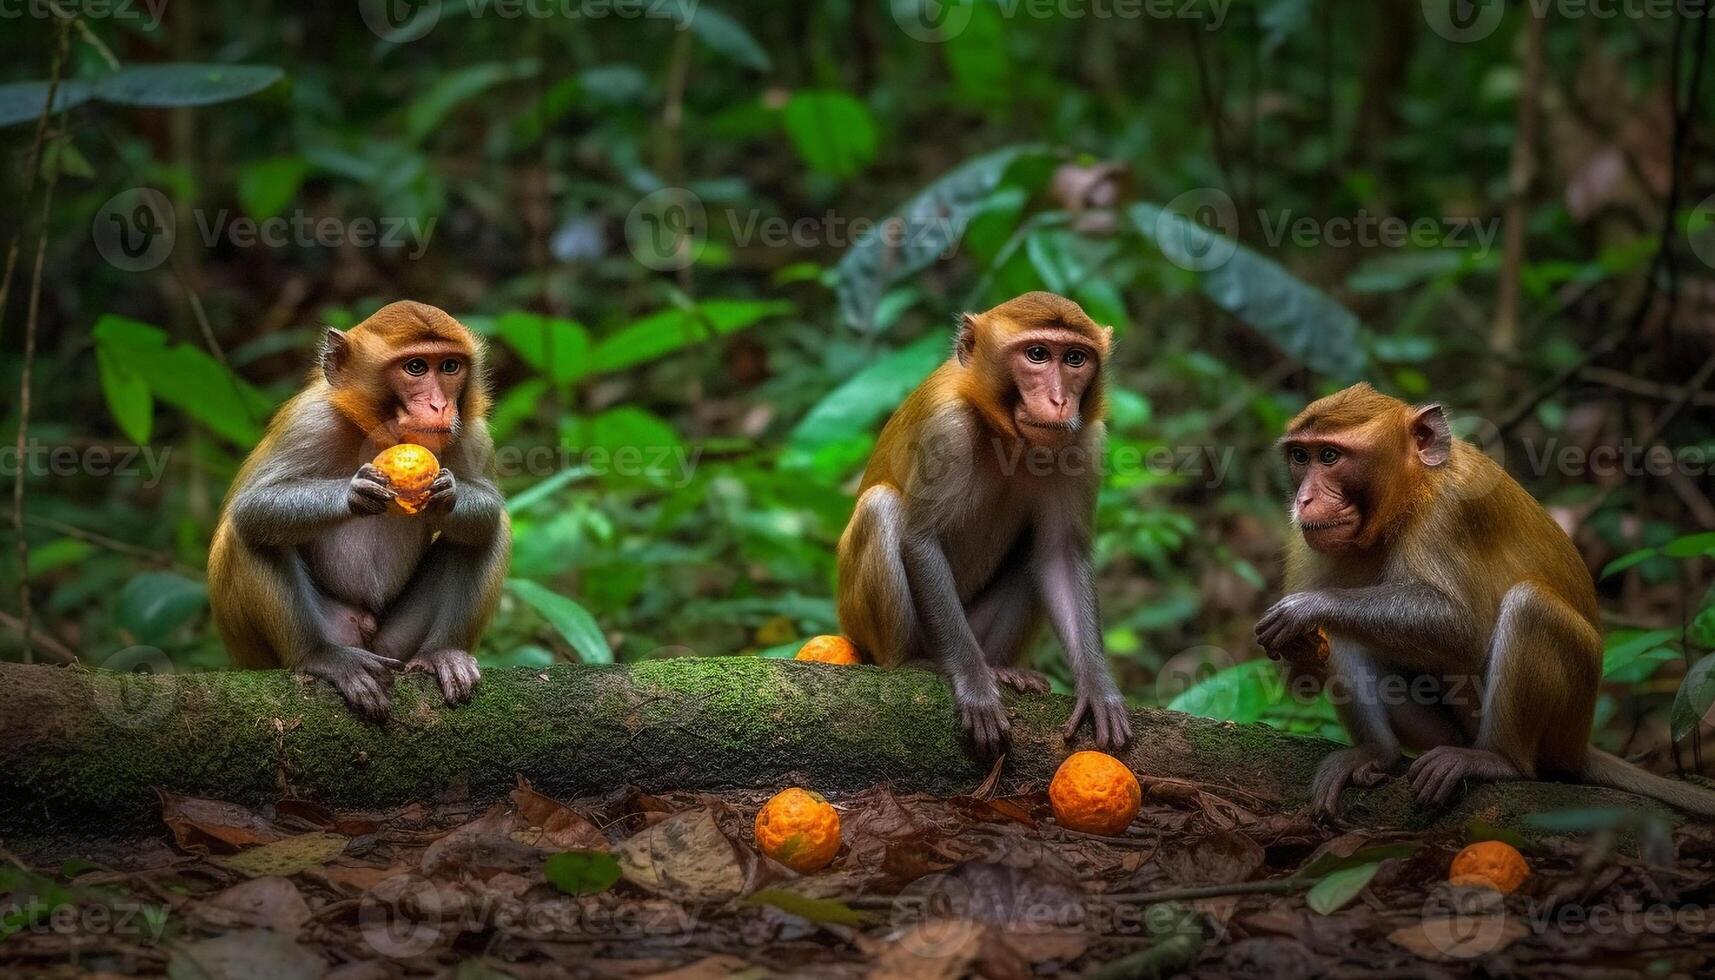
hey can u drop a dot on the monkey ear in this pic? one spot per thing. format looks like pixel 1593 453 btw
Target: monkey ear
pixel 335 351
pixel 1431 435
pixel 965 342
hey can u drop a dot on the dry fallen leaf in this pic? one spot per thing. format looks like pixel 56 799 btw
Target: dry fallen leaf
pixel 285 857
pixel 202 823
pixel 553 825
pixel 246 955
pixel 270 902
pixel 1459 937
pixel 685 857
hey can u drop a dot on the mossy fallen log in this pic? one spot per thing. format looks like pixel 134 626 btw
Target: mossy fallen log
pixel 85 750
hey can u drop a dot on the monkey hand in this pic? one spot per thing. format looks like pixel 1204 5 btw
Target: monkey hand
pixel 456 671
pixel 1358 766
pixel 1106 709
pixel 370 491
pixel 1289 621
pixel 364 679
pixel 442 492
pixel 982 715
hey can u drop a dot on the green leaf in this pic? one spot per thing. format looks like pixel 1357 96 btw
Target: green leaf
pixel 1238 694
pixel 663 333
pixel 624 428
pixel 454 88
pixel 1624 562
pixel 1333 892
pixel 977 57
pixel 1622 647
pixel 184 84
pixel 266 186
pixel 1691 546
pixel 554 347
pixel 1696 695
pixel 186 378
pixel 1296 316
pixel 573 621
pixel 517 405
pixel 820 910
pixel 865 398
pixel 154 604
pixel 728 37
pixel 1329 863
pixel 581 872
pixel 1703 629
pixel 128 398
pixel 932 223
pixel 23 101
pixel 832 131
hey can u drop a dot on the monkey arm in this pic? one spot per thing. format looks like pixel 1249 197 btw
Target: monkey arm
pixel 1391 616
pixel 476 513
pixel 950 640
pixel 1066 583
pixel 277 512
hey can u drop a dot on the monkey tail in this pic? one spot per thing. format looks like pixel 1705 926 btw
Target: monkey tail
pixel 1612 771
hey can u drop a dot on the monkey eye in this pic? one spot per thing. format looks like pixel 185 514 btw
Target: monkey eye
pixel 1037 354
pixel 1299 455
pixel 416 367
pixel 450 366
pixel 1076 358
pixel 1330 455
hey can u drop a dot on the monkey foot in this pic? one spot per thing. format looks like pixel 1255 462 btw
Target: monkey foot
pixel 987 726
pixel 1356 767
pixel 456 671
pixel 1438 772
pixel 1021 680
pixel 364 679
pixel 1108 716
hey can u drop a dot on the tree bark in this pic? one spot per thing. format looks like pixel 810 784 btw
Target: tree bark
pixel 84 751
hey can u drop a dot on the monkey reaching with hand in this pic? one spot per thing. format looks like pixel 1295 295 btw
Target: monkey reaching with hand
pixel 974 518
pixel 1461 621
pixel 308 569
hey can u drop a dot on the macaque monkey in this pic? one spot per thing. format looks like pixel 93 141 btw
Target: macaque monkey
pixel 1460 620
pixel 308 569
pixel 974 518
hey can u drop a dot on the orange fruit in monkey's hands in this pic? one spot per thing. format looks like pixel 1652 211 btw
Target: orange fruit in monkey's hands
pixel 411 469
pixel 799 829
pixel 1490 864
pixel 1311 648
pixel 829 650
pixel 1095 793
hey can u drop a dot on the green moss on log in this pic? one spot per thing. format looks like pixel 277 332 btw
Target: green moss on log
pixel 89 749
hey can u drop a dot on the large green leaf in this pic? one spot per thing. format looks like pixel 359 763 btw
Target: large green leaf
pixel 1335 891
pixel 554 347
pixel 727 36
pixel 832 131
pixel 931 223
pixel 23 101
pixel 581 872
pixel 1696 696
pixel 573 621
pixel 1238 694
pixel 865 398
pixel 454 88
pixel 660 334
pixel 1299 318
pixel 184 84
pixel 184 377
pixel 1623 647
pixel 128 397
pixel 153 604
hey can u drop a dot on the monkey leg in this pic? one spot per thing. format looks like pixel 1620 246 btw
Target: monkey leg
pixel 875 607
pixel 435 622
pixel 1357 693
pixel 1005 618
pixel 1538 696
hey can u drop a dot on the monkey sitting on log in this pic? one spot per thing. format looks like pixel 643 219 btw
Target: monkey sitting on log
pixel 974 518
pixel 1461 621
pixel 310 571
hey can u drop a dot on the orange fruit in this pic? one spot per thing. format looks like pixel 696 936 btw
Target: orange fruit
pixel 411 469
pixel 799 829
pixel 829 650
pixel 1490 864
pixel 1095 793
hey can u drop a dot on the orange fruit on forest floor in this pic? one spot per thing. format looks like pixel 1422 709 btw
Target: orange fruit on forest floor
pixel 1490 864
pixel 799 829
pixel 411 469
pixel 1095 793
pixel 829 650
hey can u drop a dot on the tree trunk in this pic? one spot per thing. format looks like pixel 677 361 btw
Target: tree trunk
pixel 84 750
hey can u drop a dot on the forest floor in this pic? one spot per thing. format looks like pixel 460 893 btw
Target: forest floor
pixel 671 884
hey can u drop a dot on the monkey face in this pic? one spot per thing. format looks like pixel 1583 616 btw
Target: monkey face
pixel 1327 499
pixel 1051 370
pixel 427 383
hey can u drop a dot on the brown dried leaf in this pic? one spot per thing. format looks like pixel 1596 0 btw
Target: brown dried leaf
pixel 553 825
pixel 285 857
pixel 199 823
pixel 1459 937
pixel 685 857
pixel 270 902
